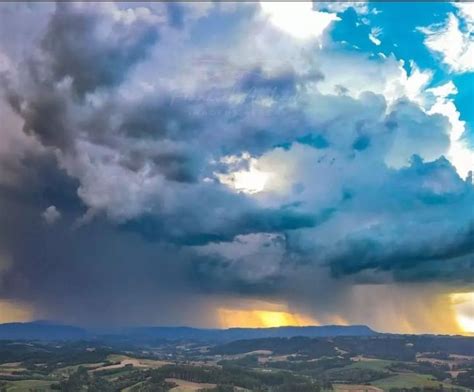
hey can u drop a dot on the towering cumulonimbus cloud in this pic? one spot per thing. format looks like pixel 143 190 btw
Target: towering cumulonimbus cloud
pixel 166 159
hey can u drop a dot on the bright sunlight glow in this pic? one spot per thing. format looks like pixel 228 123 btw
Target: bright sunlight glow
pixel 464 307
pixel 261 318
pixel 297 18
pixel 251 180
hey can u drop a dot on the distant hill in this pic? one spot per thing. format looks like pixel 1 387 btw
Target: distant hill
pixel 49 331
pixel 382 346
pixel 41 330
pixel 248 333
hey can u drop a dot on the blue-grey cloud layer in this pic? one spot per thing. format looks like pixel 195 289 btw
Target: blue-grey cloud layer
pixel 126 117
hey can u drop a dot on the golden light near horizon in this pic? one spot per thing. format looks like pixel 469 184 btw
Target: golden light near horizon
pixel 463 304
pixel 229 318
pixel 14 312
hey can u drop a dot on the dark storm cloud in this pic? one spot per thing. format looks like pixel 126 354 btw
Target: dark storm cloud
pixel 277 85
pixel 44 114
pixel 42 183
pixel 177 166
pixel 88 47
pixel 282 83
pixel 76 273
pixel 443 235
pixel 174 228
pixel 217 276
pixel 455 269
pixel 358 254
pixel 138 143
pixel 171 118
pixel 96 47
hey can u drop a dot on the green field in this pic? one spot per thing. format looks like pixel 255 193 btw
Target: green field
pixel 68 370
pixel 384 365
pixel 377 364
pixel 410 380
pixel 28 385
pixel 128 389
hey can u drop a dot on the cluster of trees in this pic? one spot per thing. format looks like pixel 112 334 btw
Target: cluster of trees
pixel 440 388
pixel 140 381
pixel 51 356
pixel 389 347
pixel 228 377
pixel 308 347
pixel 461 345
pixel 281 388
pixel 81 380
pixel 393 348
pixel 464 365
pixel 356 375
pixel 466 379
pixel 438 371
pixel 312 368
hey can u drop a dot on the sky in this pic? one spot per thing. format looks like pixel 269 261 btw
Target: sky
pixel 238 164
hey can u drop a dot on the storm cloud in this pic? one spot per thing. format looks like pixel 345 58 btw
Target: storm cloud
pixel 169 158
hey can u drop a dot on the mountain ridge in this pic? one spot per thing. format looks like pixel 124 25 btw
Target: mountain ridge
pixel 48 330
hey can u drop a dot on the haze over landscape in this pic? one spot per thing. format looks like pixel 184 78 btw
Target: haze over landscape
pixel 245 164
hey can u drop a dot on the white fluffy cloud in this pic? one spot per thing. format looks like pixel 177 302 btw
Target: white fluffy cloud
pixel 51 215
pixel 297 18
pixel 460 154
pixel 454 39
